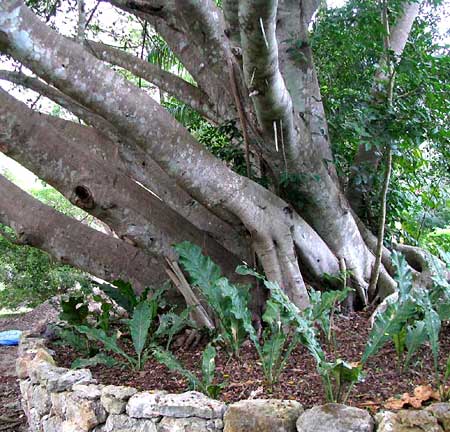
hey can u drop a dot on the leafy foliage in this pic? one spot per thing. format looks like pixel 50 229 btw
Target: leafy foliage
pixel 229 302
pixel 277 345
pixel 145 325
pixel 346 60
pixel 29 276
pixel 206 383
pixel 412 320
pixel 171 324
pixel 100 358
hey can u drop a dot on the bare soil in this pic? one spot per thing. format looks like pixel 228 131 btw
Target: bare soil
pixel 299 381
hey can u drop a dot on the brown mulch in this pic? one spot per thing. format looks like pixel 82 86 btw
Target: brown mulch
pixel 299 381
pixel 12 418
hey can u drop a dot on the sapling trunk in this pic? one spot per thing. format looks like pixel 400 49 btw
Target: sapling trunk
pixel 388 155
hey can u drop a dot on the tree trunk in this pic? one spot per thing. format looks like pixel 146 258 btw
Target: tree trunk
pixel 140 171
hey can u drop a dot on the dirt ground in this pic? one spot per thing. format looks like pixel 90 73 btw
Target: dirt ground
pixel 12 418
pixel 299 381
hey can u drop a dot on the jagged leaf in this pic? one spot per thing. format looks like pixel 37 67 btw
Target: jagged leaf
pixel 109 342
pixel 100 358
pixel 202 270
pixel 403 274
pixel 139 325
pixel 172 363
pixel 387 324
pixel 122 293
pixel 416 336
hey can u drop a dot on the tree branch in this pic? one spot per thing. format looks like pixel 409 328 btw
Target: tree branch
pixel 135 163
pixel 71 69
pixel 299 73
pixel 74 243
pixel 135 215
pixel 195 31
pixel 166 81
pixel 270 96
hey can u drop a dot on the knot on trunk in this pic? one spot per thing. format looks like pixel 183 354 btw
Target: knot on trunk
pixel 83 197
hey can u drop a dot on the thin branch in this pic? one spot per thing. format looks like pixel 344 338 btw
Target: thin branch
pixel 388 154
pixel 199 313
pixel 91 15
pixel 144 39
pixel 242 117
pixel 81 30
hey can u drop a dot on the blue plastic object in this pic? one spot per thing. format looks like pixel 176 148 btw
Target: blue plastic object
pixel 10 337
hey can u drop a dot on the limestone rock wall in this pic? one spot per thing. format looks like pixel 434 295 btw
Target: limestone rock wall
pixel 57 399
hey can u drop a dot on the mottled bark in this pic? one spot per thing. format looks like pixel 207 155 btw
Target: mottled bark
pixel 134 214
pixel 72 242
pixel 105 143
pixel 175 86
pixel 272 94
pixel 135 114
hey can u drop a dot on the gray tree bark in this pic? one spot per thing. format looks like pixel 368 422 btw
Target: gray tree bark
pixel 245 72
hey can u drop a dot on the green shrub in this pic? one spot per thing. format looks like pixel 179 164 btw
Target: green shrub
pixel 29 276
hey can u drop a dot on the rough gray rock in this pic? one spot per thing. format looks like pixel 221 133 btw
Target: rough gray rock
pixel 40 400
pixel 189 404
pixel 262 415
pixel 191 424
pixel 59 403
pixel 115 398
pixel 87 391
pixel 65 381
pixel 442 413
pixel 51 424
pixel 335 418
pixel 407 421
pixel 84 413
pixel 42 372
pixel 123 423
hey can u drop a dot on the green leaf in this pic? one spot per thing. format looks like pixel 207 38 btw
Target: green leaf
pixel 443 310
pixel 109 342
pixel 202 270
pixel 433 327
pixel 208 364
pixel 416 336
pixel 139 325
pixel 74 310
pixel 403 274
pixel 171 362
pixel 122 294
pixel 100 358
pixel 387 324
pixel 229 301
pixel 348 373
pixel 171 323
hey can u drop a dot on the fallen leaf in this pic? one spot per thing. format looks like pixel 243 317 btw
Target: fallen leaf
pixel 423 392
